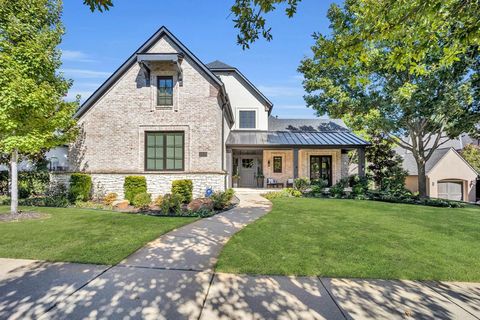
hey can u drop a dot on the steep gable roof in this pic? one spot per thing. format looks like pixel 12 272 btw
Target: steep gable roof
pixel 219 66
pixel 163 31
pixel 410 165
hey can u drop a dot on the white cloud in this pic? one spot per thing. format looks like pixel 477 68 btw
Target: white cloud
pixel 282 91
pixel 85 73
pixel 74 55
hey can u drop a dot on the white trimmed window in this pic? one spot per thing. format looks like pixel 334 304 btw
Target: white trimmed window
pixel 247 119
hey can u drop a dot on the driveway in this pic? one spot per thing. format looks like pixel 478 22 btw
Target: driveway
pixel 173 278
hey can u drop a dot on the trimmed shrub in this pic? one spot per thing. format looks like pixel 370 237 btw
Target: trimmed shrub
pixel 222 199
pixel 171 204
pixel 142 200
pixel 184 188
pixel 80 187
pixel 134 185
pixel 110 198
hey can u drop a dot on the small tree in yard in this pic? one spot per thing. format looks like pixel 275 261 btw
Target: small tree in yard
pixel 33 115
pixel 384 164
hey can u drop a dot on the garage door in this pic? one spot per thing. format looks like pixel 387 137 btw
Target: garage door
pixel 450 190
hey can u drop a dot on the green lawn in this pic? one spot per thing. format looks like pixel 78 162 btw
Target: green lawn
pixel 354 238
pixel 81 235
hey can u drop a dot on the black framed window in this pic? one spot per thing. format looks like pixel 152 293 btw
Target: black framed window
pixel 247 119
pixel 321 169
pixel 277 164
pixel 164 151
pixel 164 91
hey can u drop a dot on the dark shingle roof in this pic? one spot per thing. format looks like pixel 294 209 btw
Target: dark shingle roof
pixel 217 64
pixel 341 138
pixel 410 165
pixel 306 125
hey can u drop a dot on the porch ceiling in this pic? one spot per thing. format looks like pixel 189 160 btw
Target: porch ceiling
pixel 340 139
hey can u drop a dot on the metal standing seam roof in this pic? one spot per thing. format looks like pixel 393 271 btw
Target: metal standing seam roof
pixel 342 138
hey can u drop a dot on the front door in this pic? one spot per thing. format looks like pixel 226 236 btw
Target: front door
pixel 247 170
pixel 321 168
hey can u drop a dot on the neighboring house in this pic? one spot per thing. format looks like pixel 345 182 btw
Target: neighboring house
pixel 449 176
pixel 57 161
pixel 166 115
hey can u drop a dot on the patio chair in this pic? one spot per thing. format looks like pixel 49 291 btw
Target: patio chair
pixel 290 183
pixel 273 183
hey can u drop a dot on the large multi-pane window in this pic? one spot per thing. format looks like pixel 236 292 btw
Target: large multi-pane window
pixel 247 119
pixel 164 91
pixel 164 151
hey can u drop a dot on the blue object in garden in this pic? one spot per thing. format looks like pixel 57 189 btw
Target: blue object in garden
pixel 208 192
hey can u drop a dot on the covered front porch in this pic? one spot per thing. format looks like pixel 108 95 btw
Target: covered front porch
pixel 250 167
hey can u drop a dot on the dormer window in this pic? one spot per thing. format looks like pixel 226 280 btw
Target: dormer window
pixel 247 119
pixel 164 91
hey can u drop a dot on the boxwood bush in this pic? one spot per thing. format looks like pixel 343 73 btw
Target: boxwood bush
pixel 134 185
pixel 80 187
pixel 142 200
pixel 183 188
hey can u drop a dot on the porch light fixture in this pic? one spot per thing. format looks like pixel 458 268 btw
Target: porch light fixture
pixel 268 163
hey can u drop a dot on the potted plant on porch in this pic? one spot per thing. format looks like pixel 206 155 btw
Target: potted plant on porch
pixel 260 179
pixel 235 179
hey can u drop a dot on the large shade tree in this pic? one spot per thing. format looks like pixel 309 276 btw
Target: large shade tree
pixel 353 73
pixel 33 113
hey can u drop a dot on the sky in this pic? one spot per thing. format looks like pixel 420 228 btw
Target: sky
pixel 96 44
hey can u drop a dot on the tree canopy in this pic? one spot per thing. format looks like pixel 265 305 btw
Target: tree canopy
pixel 353 74
pixel 33 113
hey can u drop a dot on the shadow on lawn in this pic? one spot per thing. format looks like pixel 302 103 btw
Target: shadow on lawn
pixel 171 276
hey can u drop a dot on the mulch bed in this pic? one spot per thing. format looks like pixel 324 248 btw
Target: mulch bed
pixel 24 215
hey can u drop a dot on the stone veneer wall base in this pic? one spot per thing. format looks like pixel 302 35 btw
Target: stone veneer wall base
pixel 157 184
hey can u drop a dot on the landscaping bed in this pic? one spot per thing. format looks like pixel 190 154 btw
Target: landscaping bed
pixel 358 239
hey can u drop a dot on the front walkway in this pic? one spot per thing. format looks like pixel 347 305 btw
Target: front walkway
pixel 173 278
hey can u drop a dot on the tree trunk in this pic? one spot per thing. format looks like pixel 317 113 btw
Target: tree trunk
pixel 422 180
pixel 14 182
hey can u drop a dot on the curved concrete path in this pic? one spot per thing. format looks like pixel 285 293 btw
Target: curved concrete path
pixel 173 278
pixel 169 278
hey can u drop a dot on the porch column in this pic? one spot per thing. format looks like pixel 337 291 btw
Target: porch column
pixel 361 161
pixel 229 168
pixel 295 163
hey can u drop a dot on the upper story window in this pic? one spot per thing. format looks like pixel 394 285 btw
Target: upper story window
pixel 247 119
pixel 164 91
pixel 164 151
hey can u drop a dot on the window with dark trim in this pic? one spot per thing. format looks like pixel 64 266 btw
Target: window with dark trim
pixel 247 119
pixel 164 151
pixel 277 164
pixel 164 91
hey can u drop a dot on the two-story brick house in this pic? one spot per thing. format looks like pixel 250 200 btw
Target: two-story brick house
pixel 166 115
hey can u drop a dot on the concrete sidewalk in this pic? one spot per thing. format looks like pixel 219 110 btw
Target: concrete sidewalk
pixel 173 278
